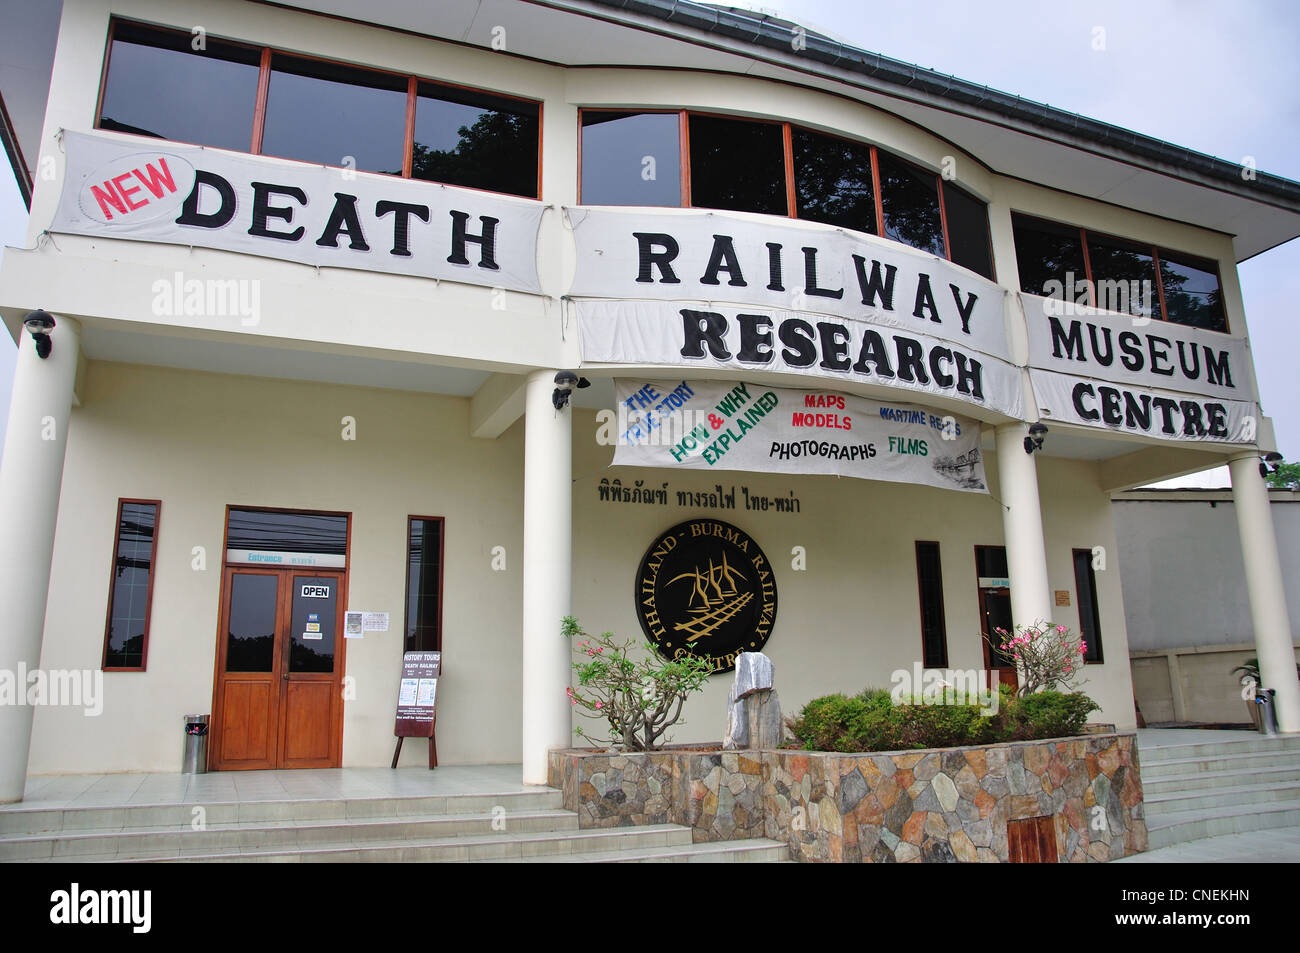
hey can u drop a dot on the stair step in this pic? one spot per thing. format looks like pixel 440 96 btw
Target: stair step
pixel 723 852
pixel 21 821
pixel 1192 798
pixel 1207 780
pixel 500 847
pixel 294 834
pixel 1250 744
pixel 1216 762
pixel 1179 827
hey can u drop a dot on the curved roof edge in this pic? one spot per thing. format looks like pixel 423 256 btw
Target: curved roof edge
pixel 777 35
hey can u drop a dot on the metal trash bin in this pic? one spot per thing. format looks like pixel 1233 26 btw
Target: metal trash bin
pixel 1267 713
pixel 195 760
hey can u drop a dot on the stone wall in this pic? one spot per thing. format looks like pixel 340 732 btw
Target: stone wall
pixel 944 805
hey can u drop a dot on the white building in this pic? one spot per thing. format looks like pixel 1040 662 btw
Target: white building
pixel 314 268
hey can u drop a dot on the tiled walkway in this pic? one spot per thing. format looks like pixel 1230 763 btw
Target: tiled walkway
pixel 95 790
pixel 1281 846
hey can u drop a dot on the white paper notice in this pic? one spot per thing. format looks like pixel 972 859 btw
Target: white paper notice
pixel 428 688
pixel 374 621
pixel 406 695
pixel 352 627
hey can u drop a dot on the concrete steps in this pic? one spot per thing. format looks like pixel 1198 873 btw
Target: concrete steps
pixel 518 827
pixel 1207 789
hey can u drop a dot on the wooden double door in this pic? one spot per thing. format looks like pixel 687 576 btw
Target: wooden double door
pixel 278 700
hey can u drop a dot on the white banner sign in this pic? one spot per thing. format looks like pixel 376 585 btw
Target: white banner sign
pixel 1074 339
pixel 775 263
pixel 677 333
pixel 723 425
pixel 188 195
pixel 1143 410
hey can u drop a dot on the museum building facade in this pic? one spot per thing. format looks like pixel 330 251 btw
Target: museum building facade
pixel 344 335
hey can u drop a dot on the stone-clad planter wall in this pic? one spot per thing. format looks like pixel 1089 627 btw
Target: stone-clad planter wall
pixel 932 805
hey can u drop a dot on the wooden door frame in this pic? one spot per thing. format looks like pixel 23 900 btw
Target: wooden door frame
pixel 340 665
pixel 988 650
pixel 218 681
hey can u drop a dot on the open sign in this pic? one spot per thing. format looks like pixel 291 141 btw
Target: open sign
pixel 315 592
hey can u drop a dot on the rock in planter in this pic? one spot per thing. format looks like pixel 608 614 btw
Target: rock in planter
pixel 753 708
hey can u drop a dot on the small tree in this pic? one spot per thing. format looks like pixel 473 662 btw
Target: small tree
pixel 1287 476
pixel 1045 654
pixel 639 700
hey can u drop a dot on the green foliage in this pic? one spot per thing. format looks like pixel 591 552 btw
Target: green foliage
pixel 1287 476
pixel 870 721
pixel 638 699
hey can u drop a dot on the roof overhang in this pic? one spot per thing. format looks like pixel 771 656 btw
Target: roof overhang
pixel 1010 135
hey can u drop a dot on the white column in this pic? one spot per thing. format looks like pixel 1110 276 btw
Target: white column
pixel 548 553
pixel 1268 612
pixel 31 473
pixel 1022 526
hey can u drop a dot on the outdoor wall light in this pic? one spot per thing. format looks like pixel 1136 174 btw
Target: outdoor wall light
pixel 565 382
pixel 40 324
pixel 1035 439
pixel 1270 462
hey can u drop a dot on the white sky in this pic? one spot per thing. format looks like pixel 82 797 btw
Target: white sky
pixel 1218 78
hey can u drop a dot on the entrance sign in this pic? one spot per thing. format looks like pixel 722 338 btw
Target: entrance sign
pixel 187 195
pixel 705 588
pixel 1144 411
pixel 417 692
pixel 267 557
pixel 724 425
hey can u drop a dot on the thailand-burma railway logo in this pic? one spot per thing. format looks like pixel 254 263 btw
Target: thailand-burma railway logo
pixel 705 588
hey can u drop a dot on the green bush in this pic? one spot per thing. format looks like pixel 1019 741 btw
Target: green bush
pixel 869 721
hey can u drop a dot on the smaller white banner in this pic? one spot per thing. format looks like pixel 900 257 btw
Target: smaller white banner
pixel 724 425
pixel 1161 414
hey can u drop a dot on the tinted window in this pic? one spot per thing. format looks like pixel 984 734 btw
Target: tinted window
pixel 1124 276
pixel 737 165
pixel 317 533
pixel 968 230
pixel 250 635
pixel 909 199
pixel 934 641
pixel 128 607
pixel 158 86
pixel 423 585
pixel 1048 252
pixel 335 115
pixel 1192 293
pixel 476 140
pixel 991 561
pixel 832 181
pixel 631 159
pixel 1089 617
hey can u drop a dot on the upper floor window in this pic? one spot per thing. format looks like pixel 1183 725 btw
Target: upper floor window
pixel 157 85
pixel 263 101
pixel 777 168
pixel 1117 274
pixel 424 584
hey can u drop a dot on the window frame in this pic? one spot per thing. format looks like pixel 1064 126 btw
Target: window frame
pixel 1157 253
pixel 413 81
pixel 920 590
pixel 787 135
pixel 148 600
pixel 442 575
pixel 1095 642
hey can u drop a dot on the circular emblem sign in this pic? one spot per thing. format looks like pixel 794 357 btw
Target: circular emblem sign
pixel 705 588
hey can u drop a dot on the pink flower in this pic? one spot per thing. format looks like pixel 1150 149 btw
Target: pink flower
pixel 1060 628
pixel 600 704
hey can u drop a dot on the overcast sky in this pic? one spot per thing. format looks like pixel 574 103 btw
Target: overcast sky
pixel 1221 78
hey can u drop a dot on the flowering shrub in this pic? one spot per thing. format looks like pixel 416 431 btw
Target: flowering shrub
pixel 638 700
pixel 1046 655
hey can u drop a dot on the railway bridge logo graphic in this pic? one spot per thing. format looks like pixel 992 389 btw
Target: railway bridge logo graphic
pixel 705 588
